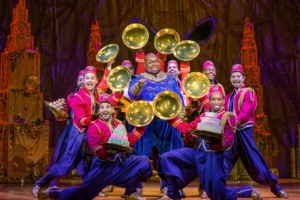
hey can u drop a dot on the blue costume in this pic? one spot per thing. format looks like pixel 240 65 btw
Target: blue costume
pixel 159 136
pixel 158 133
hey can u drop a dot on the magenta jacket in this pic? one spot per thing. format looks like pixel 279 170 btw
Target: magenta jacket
pixel 99 132
pixel 244 105
pixel 228 131
pixel 82 107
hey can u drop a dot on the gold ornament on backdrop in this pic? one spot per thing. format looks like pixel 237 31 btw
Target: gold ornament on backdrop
pixel 31 84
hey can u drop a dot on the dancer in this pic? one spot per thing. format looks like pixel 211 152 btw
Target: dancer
pixel 210 71
pixel 182 166
pixel 108 167
pixel 242 101
pixel 64 137
pixel 85 108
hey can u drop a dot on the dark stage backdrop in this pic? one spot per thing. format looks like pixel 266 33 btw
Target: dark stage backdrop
pixel 61 30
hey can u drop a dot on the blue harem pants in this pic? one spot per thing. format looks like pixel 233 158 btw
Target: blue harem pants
pixel 244 147
pixel 128 173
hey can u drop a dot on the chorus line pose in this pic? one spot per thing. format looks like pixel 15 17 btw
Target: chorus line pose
pixel 182 166
pixel 108 167
pixel 242 101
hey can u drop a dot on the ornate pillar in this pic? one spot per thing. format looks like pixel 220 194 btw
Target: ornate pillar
pixel 24 135
pixel 95 45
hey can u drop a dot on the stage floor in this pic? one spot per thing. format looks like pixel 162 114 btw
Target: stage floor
pixel 151 190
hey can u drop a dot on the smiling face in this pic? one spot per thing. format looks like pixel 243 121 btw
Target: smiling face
pixel 90 81
pixel 172 69
pixel 210 72
pixel 152 63
pixel 106 110
pixel 237 79
pixel 216 101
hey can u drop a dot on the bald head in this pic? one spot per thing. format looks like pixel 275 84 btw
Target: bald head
pixel 150 56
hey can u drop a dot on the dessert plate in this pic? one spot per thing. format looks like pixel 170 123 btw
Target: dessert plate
pixel 56 112
pixel 207 133
pixel 117 147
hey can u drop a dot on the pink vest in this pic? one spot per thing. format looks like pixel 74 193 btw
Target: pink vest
pixel 244 105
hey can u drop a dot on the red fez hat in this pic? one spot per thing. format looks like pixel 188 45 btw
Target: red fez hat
pixel 81 73
pixel 216 89
pixel 173 62
pixel 237 68
pixel 125 63
pixel 208 64
pixel 106 98
pixel 90 69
